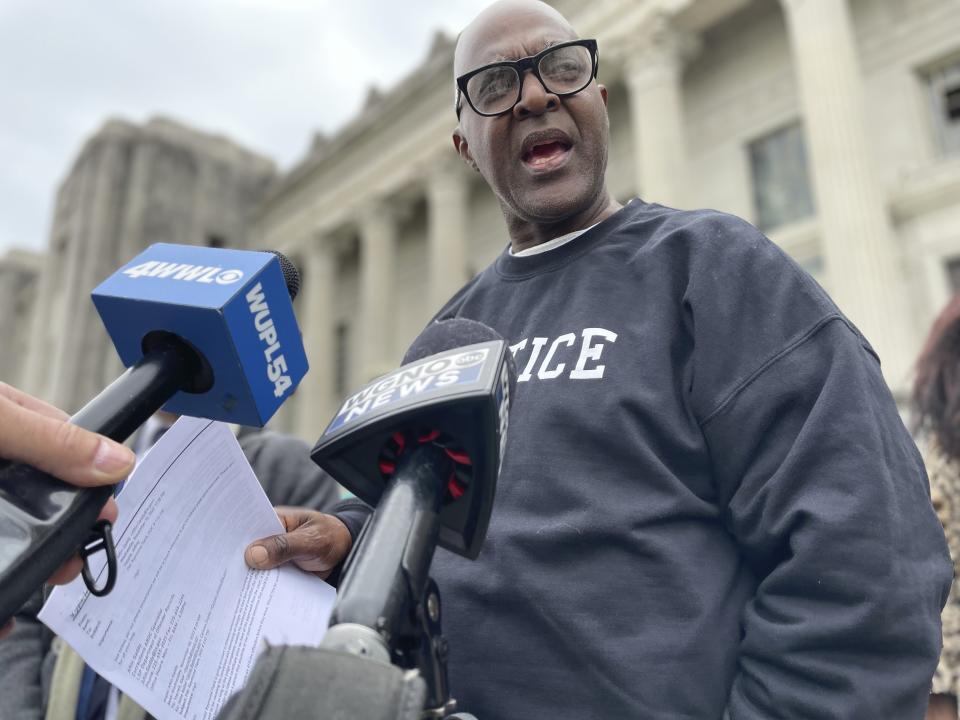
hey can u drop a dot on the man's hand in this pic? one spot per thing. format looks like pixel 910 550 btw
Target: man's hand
pixel 314 542
pixel 38 434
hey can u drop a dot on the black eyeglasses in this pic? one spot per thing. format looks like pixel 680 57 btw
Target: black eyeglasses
pixel 563 70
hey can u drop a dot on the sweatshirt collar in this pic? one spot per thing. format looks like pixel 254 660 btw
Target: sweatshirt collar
pixel 521 266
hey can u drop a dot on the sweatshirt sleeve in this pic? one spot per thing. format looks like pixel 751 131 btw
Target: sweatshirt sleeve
pixel 354 514
pixel 826 495
pixel 283 466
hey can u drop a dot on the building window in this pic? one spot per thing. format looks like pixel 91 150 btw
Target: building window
pixel 341 351
pixel 781 185
pixel 944 87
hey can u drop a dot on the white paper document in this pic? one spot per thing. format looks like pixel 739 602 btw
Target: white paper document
pixel 187 619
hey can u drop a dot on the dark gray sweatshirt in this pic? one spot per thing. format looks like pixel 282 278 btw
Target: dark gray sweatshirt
pixel 708 503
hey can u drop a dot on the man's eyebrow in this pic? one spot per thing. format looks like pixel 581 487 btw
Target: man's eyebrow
pixel 504 58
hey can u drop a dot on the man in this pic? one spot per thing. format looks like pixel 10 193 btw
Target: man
pixel 708 506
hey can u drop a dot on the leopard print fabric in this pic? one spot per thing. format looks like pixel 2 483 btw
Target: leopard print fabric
pixel 944 474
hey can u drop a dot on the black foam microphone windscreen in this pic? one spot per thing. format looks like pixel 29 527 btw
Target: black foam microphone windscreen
pixel 453 333
pixel 291 276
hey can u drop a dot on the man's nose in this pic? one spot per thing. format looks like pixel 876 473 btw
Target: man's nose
pixel 535 99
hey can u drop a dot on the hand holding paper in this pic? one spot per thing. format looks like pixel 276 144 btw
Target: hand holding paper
pixel 183 626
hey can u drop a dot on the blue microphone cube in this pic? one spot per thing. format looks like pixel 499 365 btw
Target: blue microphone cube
pixel 233 306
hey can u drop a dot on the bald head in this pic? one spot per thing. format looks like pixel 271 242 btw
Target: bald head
pixel 489 35
pixel 545 156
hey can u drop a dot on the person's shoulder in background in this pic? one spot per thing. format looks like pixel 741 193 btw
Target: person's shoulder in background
pixel 283 466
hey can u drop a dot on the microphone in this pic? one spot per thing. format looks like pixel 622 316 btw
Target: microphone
pixel 206 332
pixel 229 310
pixel 424 445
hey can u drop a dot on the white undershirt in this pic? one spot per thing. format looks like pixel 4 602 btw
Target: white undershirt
pixel 551 244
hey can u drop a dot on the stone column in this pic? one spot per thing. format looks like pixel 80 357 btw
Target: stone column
pixel 10 364
pixel 377 270
pixel 75 373
pixel 863 260
pixel 131 240
pixel 447 197
pixel 653 69
pixel 132 236
pixel 38 363
pixel 315 394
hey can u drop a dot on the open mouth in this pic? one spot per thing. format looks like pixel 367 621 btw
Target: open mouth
pixel 546 153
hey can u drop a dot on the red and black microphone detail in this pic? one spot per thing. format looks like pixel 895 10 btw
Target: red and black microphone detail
pixel 461 466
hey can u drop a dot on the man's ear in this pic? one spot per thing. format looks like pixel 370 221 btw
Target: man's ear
pixel 463 149
pixel 603 94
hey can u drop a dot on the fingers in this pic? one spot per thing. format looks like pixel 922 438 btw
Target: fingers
pixel 314 541
pixel 294 517
pixel 67 572
pixel 32 433
pixel 109 512
pixel 6 629
pixel 38 434
pixel 31 403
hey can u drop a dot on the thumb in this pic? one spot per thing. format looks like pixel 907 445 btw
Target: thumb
pixel 61 449
pixel 269 552
pixel 314 541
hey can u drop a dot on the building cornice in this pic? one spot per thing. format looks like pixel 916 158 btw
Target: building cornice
pixel 926 191
pixel 377 114
pixel 22 260
pixel 371 154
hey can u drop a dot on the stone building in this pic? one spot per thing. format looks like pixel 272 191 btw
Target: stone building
pixel 834 125
pixel 131 186
pixel 19 270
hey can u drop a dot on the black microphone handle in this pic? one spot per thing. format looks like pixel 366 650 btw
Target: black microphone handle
pixel 392 559
pixel 43 520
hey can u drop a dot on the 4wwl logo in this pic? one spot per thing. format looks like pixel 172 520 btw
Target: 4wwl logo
pixel 183 271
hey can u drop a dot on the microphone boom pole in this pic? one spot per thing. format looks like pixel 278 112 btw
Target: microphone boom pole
pixel 423 445
pixel 387 585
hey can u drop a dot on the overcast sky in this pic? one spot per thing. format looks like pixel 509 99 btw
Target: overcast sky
pixel 267 73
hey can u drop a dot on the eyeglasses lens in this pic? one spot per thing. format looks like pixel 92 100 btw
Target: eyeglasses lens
pixel 567 69
pixel 494 90
pixel 564 70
